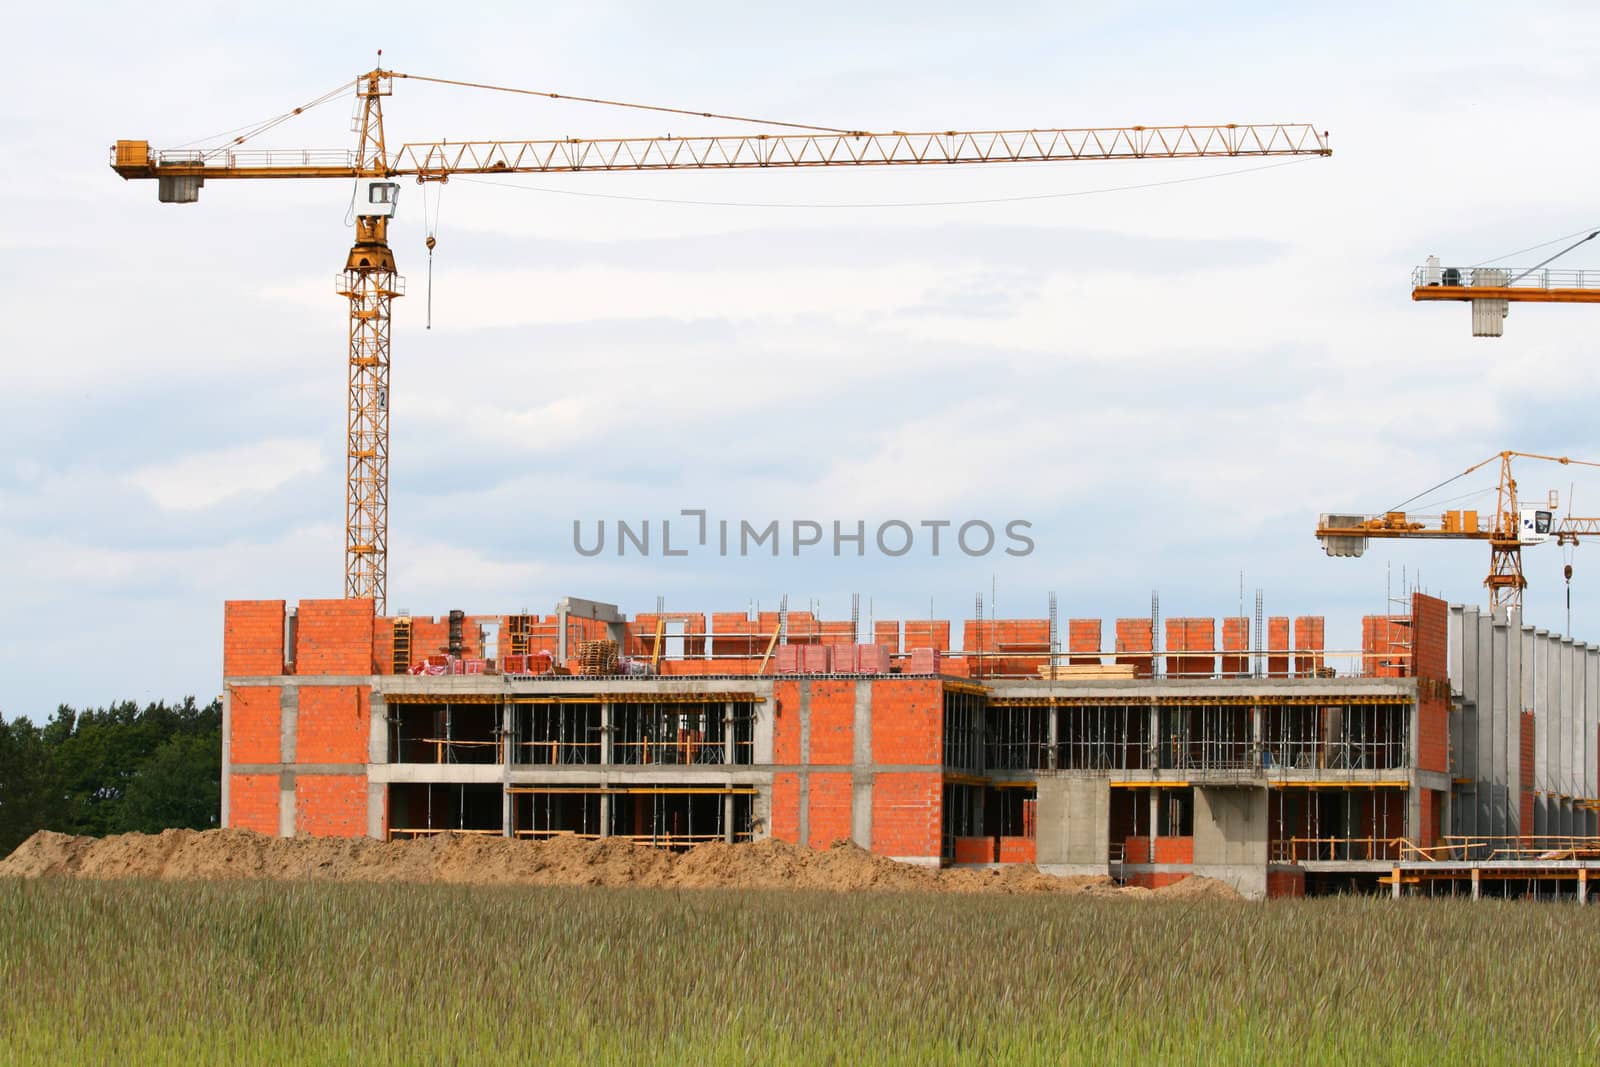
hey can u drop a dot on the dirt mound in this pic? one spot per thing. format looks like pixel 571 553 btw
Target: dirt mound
pixel 1196 885
pixel 219 855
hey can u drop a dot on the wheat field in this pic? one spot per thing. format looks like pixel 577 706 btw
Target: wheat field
pixel 143 972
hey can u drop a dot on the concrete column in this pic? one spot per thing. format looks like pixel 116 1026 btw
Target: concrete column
pixel 605 735
pixel 1156 740
pixel 1583 885
pixel 605 814
pixel 727 818
pixel 1396 887
pixel 286 818
pixel 288 722
pixel 861 767
pixel 227 744
pixel 507 801
pixel 1051 760
pixel 1477 883
pixel 728 749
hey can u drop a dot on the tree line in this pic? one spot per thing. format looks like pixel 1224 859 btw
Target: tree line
pixel 111 770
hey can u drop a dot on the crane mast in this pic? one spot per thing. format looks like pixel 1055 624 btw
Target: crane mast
pixel 371 282
pixel 1513 525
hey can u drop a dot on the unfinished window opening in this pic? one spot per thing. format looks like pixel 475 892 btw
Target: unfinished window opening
pixel 1201 737
pixel 962 816
pixel 1175 812
pixel 683 734
pixel 1103 737
pixel 1011 812
pixel 550 733
pixel 1017 738
pixel 417 810
pixel 1336 824
pixel 444 733
pixel 550 813
pixel 1335 736
pixel 963 730
pixel 680 818
pixel 1128 816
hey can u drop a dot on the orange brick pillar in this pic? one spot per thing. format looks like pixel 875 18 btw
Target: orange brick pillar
pixel 1236 638
pixel 1135 636
pixel 1083 640
pixel 1278 647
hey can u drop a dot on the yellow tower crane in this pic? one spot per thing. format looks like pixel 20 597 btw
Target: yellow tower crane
pixel 1513 525
pixel 1492 290
pixel 370 280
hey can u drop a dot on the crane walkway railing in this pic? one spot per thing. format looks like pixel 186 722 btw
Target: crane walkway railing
pixel 1503 278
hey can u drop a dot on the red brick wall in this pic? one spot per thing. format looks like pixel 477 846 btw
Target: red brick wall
pixel 1168 850
pixel 255 728
pixel 828 809
pixel 334 637
pixel 333 724
pixel 252 637
pixel 1430 621
pixel 253 803
pixel 1018 850
pixel 1309 644
pixel 1387 644
pixel 833 717
pixel 974 850
pixel 907 722
pixel 785 823
pixel 1430 813
pixel 1278 642
pixel 1286 884
pixel 330 805
pixel 925 634
pixel 886 633
pixel 905 813
pixel 1135 635
pixel 1236 638
pixel 786 722
pixel 1083 636
pixel 1191 635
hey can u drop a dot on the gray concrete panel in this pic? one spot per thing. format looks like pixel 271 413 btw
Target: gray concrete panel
pixel 1230 826
pixel 1074 817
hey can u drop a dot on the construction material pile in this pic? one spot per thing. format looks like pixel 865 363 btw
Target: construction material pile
pixel 210 855
pixel 597 657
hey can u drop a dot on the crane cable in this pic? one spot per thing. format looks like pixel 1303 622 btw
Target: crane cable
pixel 622 103
pixel 258 128
pixel 1535 248
pixel 431 229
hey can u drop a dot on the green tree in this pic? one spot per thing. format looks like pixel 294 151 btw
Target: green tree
pixel 29 791
pixel 178 786
pixel 125 767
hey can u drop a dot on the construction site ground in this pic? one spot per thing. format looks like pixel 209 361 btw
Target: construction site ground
pixel 226 855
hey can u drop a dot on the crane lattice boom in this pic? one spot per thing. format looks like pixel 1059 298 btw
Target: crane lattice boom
pixel 370 281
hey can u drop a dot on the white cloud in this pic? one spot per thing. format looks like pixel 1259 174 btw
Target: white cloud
pixel 204 479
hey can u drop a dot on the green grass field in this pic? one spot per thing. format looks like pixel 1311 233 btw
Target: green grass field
pixel 100 972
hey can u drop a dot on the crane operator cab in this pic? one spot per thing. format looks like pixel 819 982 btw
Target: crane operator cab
pixel 1535 525
pixel 376 197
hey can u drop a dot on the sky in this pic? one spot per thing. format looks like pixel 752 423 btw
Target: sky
pixel 1167 369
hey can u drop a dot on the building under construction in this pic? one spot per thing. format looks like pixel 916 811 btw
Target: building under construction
pixel 1452 751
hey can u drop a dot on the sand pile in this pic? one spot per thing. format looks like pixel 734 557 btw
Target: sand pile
pixel 213 855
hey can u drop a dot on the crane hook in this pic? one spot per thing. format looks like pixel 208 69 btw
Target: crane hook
pixel 430 243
